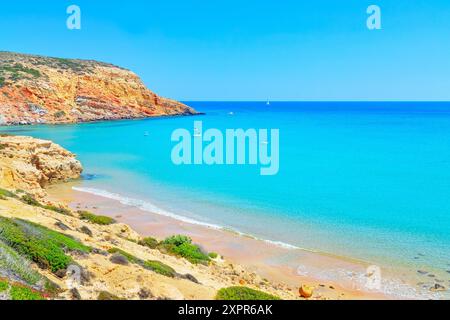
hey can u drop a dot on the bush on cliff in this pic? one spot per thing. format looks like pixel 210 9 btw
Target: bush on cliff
pixel 160 268
pixel 149 242
pixel 213 255
pixel 13 264
pixel 30 200
pixel 125 254
pixel 243 293
pixel 47 248
pixel 7 194
pixel 59 210
pixel 15 291
pixel 101 220
pixel 105 295
pixel 182 246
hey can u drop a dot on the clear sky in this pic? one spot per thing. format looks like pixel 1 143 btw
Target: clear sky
pixel 250 49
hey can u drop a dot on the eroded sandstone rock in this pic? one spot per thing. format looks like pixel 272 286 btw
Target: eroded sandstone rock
pixel 31 164
pixel 36 89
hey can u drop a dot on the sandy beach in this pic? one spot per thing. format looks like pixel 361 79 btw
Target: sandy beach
pixel 332 277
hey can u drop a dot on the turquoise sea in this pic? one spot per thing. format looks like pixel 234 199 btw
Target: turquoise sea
pixel 365 180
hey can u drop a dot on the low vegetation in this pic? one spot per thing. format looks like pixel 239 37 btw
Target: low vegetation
pixel 160 268
pixel 15 291
pixel 182 246
pixel 155 266
pixel 30 200
pixel 47 248
pixel 13 264
pixel 7 194
pixel 59 210
pixel 24 293
pixel 243 293
pixel 17 71
pixel 128 256
pixel 213 255
pixel 60 114
pixel 93 218
pixel 104 295
pixel 149 242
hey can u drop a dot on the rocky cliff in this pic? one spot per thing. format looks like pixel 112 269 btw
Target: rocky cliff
pixel 36 89
pixel 31 164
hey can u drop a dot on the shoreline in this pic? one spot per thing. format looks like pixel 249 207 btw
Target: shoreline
pixel 279 264
pixel 168 116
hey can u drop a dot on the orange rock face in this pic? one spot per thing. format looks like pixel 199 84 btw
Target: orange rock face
pixel 35 89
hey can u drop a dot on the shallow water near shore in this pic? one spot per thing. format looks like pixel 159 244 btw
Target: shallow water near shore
pixel 369 181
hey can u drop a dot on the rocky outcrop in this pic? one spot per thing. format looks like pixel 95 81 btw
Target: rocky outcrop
pixel 36 89
pixel 31 164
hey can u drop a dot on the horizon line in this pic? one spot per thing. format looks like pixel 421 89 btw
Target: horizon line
pixel 324 101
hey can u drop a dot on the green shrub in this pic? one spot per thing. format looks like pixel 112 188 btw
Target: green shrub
pixel 6 193
pixel 59 210
pixel 182 246
pixel 191 252
pixel 30 200
pixel 15 264
pixel 101 220
pixel 160 268
pixel 60 114
pixel 18 71
pixel 150 242
pixel 44 246
pixel 16 291
pixel 243 293
pixel 177 240
pixel 23 293
pixel 3 286
pixel 127 255
pixel 104 295
pixel 213 255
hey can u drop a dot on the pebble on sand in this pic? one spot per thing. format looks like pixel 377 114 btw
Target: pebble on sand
pixel 306 291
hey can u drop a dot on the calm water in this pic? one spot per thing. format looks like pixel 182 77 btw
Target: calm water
pixel 367 180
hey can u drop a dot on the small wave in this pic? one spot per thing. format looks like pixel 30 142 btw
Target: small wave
pixel 150 207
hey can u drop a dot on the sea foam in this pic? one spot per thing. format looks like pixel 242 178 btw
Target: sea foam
pixel 152 208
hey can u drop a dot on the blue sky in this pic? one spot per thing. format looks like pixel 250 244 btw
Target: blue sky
pixel 248 49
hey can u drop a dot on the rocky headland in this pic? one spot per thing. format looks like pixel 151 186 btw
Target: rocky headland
pixel 36 90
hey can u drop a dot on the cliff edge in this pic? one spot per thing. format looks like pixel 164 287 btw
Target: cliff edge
pixel 31 164
pixel 37 89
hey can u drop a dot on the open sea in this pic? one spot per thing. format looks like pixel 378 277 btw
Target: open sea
pixel 369 181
